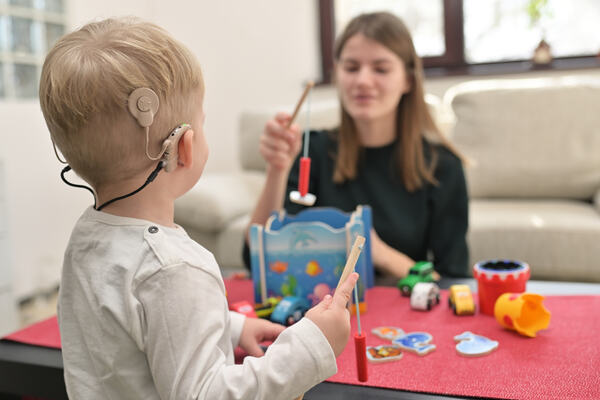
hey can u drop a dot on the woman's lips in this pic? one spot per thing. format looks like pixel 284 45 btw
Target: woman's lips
pixel 363 98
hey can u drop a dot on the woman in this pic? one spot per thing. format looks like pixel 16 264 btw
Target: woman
pixel 387 153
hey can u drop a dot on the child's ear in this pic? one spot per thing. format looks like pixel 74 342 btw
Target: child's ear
pixel 186 149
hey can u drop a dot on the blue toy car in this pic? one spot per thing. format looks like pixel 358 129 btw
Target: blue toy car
pixel 289 310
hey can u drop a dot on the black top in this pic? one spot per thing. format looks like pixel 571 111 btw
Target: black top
pixel 428 224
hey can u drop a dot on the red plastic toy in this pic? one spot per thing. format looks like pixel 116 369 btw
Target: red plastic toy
pixel 243 307
pixel 496 277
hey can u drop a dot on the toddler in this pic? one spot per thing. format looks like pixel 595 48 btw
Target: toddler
pixel 142 307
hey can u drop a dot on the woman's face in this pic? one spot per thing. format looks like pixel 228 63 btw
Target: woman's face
pixel 371 79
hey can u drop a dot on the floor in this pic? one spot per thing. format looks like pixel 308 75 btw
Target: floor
pixel 38 308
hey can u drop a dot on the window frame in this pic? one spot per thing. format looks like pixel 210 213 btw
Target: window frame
pixel 9 59
pixel 452 62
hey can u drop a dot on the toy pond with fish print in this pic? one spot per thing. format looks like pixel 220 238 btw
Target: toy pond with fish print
pixel 303 255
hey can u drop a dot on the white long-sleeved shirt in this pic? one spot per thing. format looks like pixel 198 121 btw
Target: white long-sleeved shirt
pixel 143 315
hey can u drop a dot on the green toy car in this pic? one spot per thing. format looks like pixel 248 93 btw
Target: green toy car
pixel 422 271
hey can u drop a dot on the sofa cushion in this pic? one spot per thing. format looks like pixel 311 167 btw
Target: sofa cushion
pixel 218 198
pixel 558 238
pixel 230 243
pixel 324 114
pixel 529 137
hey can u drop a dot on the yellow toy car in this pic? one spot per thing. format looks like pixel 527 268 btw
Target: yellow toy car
pixel 460 300
pixel 264 310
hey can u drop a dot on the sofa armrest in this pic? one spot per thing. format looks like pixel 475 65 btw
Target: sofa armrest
pixel 217 199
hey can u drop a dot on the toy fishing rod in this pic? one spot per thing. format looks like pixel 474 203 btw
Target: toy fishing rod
pixel 301 196
pixel 360 344
pixel 359 339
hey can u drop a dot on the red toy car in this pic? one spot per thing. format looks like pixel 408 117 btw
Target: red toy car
pixel 243 307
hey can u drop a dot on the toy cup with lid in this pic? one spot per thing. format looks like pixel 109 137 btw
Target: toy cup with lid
pixel 495 277
pixel 522 312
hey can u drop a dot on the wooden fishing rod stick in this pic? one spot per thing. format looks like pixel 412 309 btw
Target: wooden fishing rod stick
pixel 359 242
pixel 309 86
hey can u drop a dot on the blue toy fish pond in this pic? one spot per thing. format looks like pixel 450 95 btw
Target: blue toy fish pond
pixel 304 255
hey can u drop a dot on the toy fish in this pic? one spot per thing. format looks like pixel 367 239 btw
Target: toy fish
pixel 278 267
pixel 319 292
pixel 388 332
pixel 471 345
pixel 417 342
pixel 313 268
pixel 383 353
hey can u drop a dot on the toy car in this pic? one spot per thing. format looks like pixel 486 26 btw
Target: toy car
pixel 243 307
pixel 264 310
pixel 290 310
pixel 460 300
pixel 424 295
pixel 422 271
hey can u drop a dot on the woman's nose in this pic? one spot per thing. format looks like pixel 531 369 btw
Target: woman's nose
pixel 364 76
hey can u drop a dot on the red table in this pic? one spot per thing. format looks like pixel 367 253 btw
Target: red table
pixel 562 362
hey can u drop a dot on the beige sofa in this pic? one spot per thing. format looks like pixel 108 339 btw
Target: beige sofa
pixel 534 176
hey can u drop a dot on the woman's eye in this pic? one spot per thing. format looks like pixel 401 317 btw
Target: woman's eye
pixel 381 70
pixel 351 68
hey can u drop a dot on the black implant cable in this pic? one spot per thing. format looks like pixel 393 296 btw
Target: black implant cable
pixel 151 177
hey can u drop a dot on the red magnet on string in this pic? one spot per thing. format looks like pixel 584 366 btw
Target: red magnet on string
pixel 360 344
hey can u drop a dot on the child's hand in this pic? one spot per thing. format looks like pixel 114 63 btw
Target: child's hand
pixel 332 316
pixel 280 146
pixel 255 331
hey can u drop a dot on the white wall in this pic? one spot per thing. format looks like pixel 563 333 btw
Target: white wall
pixel 40 206
pixel 252 53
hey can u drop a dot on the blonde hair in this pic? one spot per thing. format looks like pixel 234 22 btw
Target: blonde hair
pixel 86 80
pixel 414 120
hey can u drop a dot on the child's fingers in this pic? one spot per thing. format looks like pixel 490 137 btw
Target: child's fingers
pixel 253 349
pixel 342 294
pixel 272 331
pixel 326 302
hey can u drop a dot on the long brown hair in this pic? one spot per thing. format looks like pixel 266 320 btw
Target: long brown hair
pixel 413 119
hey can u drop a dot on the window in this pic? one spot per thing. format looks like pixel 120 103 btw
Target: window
pixel 480 36
pixel 28 29
pixel 424 19
pixel 503 30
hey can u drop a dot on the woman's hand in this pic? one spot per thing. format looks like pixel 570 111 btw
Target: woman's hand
pixel 388 259
pixel 279 145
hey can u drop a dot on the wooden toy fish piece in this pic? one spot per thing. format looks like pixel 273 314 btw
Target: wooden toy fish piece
pixel 472 345
pixel 384 353
pixel 416 342
pixel 388 332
